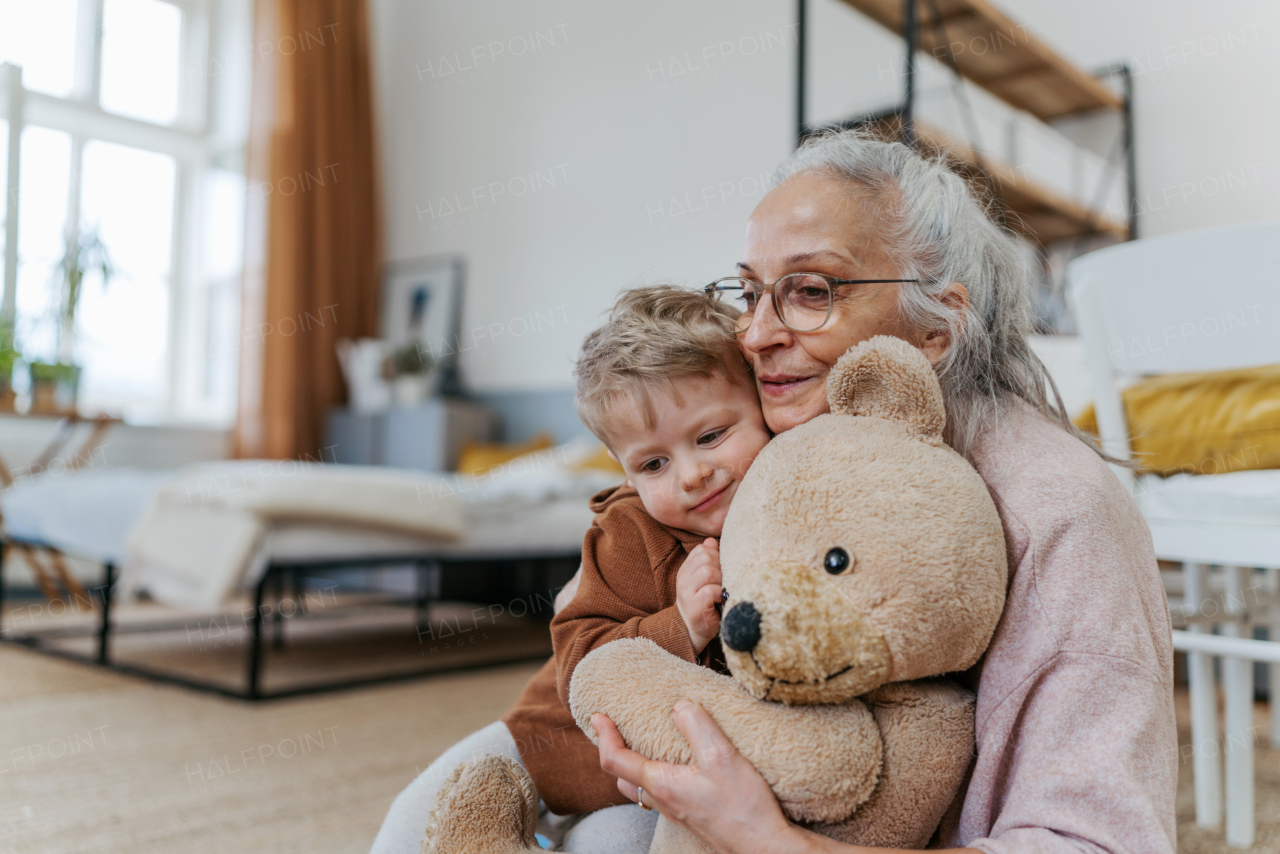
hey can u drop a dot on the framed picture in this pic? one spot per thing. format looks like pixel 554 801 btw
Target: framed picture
pixel 422 305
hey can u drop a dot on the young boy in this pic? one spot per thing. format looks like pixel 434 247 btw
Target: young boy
pixel 665 387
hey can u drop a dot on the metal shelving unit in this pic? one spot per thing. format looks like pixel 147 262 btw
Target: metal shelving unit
pixel 1024 73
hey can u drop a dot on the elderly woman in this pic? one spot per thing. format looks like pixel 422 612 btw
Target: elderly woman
pixel 1076 741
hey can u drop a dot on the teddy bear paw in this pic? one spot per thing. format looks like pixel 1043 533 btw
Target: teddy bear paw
pixel 487 806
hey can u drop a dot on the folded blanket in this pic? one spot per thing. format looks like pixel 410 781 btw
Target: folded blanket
pixel 198 541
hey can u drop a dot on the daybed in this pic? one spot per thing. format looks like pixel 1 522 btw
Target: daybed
pixel 200 538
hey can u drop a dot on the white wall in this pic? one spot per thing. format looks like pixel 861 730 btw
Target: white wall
pixel 627 147
pixel 626 144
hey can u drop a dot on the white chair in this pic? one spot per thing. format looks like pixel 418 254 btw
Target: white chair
pixel 1198 301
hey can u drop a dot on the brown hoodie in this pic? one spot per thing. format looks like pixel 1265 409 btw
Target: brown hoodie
pixel 627 590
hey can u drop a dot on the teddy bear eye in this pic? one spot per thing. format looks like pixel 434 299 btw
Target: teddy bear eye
pixel 837 561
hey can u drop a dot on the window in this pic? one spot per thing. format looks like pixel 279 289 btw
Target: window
pixel 126 198
pixel 41 37
pixel 4 184
pixel 141 41
pixel 44 182
pixel 118 143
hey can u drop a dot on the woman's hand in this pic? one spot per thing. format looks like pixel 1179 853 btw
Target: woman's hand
pixel 721 797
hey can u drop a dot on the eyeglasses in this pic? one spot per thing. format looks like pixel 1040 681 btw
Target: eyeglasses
pixel 803 301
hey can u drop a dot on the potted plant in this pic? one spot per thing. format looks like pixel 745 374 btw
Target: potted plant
pixel 8 356
pixel 54 386
pixel 409 370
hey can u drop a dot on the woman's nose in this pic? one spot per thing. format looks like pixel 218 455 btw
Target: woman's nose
pixel 766 329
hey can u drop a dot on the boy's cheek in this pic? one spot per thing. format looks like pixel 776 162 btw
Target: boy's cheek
pixel 658 503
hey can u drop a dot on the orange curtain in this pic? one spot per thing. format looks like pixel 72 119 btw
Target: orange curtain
pixel 313 249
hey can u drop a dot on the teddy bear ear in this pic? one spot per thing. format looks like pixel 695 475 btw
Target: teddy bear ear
pixel 885 377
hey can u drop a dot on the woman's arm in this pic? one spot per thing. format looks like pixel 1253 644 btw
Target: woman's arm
pixel 721 797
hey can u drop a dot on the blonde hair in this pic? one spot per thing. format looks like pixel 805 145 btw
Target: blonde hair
pixel 654 335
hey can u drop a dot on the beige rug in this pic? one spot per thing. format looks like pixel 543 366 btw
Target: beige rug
pixel 96 761
pixel 351 637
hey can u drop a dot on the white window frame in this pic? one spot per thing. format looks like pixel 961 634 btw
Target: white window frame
pixel 189 140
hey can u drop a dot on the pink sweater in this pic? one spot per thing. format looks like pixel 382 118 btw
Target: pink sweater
pixel 1077 745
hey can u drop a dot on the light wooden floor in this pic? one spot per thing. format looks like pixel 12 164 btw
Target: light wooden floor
pixel 97 761
pixel 1195 840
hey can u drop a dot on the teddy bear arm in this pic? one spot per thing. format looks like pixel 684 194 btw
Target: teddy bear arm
pixel 636 684
pixel 928 732
pixel 822 762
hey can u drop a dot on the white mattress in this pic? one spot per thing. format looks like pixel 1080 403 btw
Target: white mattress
pixel 93 513
pixel 1250 498
pixel 85 513
pixel 1221 519
pixel 508 530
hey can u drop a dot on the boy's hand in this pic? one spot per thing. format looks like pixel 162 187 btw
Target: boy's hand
pixel 698 593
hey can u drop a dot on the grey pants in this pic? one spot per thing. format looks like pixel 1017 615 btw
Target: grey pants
pixel 625 829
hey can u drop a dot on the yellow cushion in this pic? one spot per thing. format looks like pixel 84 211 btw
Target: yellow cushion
pixel 478 457
pixel 1203 423
pixel 599 459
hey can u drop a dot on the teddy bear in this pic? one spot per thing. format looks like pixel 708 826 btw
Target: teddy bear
pixel 863 560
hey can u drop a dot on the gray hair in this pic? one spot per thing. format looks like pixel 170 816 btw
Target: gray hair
pixel 939 232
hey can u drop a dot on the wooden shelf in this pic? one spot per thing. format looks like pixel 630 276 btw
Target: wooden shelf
pixel 998 55
pixel 1037 212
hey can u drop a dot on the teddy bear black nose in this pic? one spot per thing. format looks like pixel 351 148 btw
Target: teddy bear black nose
pixel 740 630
